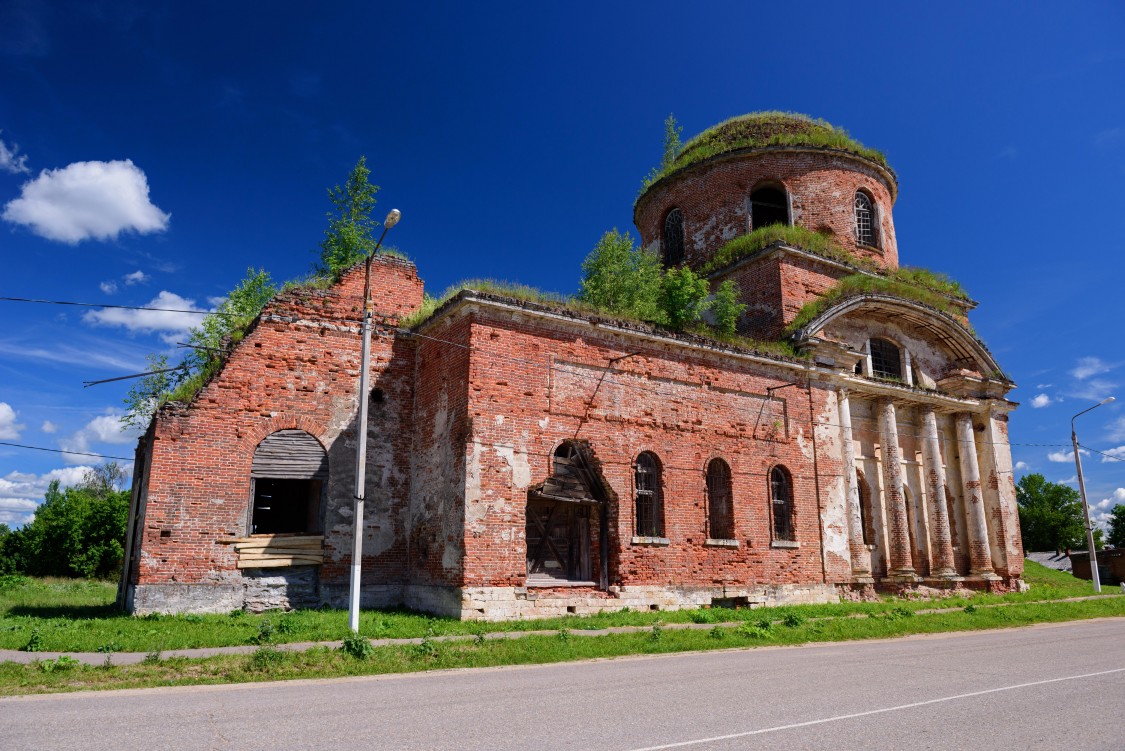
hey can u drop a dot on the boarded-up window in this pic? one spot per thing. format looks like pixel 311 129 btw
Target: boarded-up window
pixel 720 501
pixel 288 475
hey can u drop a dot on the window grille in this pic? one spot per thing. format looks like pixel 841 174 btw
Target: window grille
pixel 673 238
pixel 864 220
pixel 650 521
pixel 886 359
pixel 720 501
pixel 781 493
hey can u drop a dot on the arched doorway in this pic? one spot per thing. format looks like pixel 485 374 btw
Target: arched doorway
pixel 567 527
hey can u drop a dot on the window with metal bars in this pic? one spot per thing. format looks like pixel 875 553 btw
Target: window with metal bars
pixel 781 495
pixel 886 359
pixel 649 499
pixel 673 238
pixel 720 501
pixel 864 220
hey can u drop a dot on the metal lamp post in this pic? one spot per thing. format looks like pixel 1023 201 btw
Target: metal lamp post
pixel 361 429
pixel 1082 489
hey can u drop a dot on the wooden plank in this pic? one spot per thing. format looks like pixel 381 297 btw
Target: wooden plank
pixel 290 454
pixel 285 536
pixel 279 562
pixel 305 545
pixel 309 552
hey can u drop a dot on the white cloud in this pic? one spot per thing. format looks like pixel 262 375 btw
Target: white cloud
pixel 1117 430
pixel 10 162
pixel 1065 456
pixel 1042 386
pixel 103 429
pixel 1095 389
pixel 169 325
pixel 1115 454
pixel 108 287
pixel 137 277
pixel 9 429
pixel 87 200
pixel 1089 366
pixel 49 427
pixel 22 492
pixel 1041 400
pixel 1022 466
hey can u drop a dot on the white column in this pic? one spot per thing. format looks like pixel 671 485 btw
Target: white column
pixel 934 469
pixel 900 561
pixel 980 555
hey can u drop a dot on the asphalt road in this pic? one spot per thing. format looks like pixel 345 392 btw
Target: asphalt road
pixel 1046 687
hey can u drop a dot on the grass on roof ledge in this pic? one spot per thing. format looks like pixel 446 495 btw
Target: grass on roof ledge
pixel 861 284
pixel 762 129
pixel 526 293
pixel 824 246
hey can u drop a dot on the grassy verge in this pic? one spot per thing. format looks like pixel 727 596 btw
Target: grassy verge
pixel 269 663
pixel 78 616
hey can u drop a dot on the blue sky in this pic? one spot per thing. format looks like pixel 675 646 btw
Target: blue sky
pixel 152 151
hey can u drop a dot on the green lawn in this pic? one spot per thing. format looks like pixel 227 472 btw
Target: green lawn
pixel 269 663
pixel 78 616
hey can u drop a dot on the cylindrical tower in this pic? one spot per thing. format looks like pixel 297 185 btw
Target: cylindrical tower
pixel 782 204
pixel 770 168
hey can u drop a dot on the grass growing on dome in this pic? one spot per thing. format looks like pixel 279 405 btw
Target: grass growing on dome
pixel 759 130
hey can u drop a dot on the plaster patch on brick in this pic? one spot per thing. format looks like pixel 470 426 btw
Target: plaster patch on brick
pixel 517 462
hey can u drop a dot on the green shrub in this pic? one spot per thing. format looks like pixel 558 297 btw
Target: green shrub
pixel 357 646
pixel 34 642
pixel 794 620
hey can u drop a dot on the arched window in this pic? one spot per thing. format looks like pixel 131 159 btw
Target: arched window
pixel 768 206
pixel 288 477
pixel 781 503
pixel 720 501
pixel 864 220
pixel 886 359
pixel 649 499
pixel 673 238
pixel 952 511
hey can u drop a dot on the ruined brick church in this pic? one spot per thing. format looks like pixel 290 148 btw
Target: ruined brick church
pixel 528 459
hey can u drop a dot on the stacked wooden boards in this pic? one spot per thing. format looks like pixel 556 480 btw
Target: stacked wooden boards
pixel 275 551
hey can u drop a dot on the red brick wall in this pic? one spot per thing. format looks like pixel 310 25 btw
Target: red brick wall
pixel 298 368
pixel 714 199
pixel 527 394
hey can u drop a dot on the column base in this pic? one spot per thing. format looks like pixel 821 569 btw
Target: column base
pixel 863 579
pixel 946 574
pixel 943 582
pixel 902 576
pixel 990 576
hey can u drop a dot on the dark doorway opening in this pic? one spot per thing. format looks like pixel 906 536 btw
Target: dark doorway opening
pixel 282 506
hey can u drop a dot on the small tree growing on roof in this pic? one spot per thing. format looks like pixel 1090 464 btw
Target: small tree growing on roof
pixel 348 239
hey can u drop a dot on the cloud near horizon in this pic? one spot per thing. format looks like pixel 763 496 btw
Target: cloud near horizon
pixel 105 428
pixel 87 201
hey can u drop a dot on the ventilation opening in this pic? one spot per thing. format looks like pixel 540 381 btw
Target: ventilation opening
pixel 377 396
pixel 731 603
pixel 572 608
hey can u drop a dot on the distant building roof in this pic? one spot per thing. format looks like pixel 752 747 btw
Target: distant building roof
pixel 1057 561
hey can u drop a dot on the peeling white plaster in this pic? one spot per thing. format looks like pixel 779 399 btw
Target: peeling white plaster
pixel 517 462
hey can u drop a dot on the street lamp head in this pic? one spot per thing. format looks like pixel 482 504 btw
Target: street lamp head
pixel 1108 399
pixel 392 218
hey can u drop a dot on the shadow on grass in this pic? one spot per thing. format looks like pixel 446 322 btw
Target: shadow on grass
pixel 76 612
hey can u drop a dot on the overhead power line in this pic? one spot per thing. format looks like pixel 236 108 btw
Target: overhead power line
pixel 62 451
pixel 119 307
